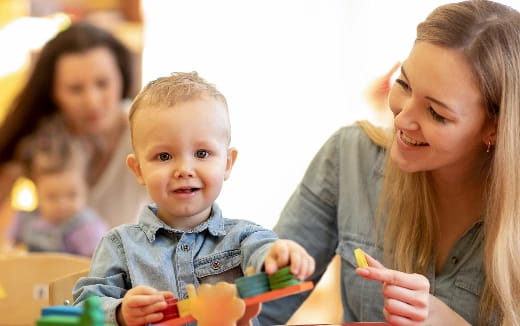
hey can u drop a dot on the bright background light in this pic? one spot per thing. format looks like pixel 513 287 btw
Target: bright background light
pixel 293 72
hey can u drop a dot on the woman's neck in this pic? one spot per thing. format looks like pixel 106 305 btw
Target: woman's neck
pixel 103 146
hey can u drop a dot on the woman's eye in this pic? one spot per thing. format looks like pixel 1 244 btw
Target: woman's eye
pixel 436 116
pixel 102 83
pixel 75 89
pixel 403 84
pixel 164 156
pixel 201 154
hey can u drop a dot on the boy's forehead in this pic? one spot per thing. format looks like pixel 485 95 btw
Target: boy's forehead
pixel 213 104
pixel 208 105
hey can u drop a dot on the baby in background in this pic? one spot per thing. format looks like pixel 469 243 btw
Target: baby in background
pixel 56 163
pixel 181 139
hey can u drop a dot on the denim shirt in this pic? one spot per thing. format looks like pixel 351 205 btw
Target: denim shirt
pixel 154 254
pixel 333 212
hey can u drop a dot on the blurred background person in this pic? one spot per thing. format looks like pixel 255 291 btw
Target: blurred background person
pixel 84 74
pixel 57 164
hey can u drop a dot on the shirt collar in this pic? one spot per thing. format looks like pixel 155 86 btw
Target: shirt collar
pixel 150 223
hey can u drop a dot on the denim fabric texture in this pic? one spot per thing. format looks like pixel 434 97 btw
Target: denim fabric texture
pixel 333 212
pixel 154 254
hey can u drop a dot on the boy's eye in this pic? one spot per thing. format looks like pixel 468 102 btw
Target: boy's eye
pixel 201 153
pixel 164 156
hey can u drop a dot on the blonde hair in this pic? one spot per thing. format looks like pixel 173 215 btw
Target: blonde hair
pixel 165 92
pixel 488 35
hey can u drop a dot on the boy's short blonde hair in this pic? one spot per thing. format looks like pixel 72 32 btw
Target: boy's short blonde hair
pixel 177 88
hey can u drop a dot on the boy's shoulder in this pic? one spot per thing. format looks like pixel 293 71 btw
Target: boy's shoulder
pixel 243 227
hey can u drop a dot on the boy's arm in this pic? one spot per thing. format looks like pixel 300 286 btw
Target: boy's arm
pixel 254 245
pixel 108 277
pixel 261 249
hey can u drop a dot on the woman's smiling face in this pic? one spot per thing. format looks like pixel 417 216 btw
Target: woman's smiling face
pixel 439 116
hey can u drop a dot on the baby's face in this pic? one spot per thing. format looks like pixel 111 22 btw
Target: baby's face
pixel 183 157
pixel 61 195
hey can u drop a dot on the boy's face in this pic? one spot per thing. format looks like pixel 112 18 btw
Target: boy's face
pixel 182 156
pixel 61 195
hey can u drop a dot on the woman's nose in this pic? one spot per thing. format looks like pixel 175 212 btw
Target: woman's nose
pixel 406 116
pixel 91 99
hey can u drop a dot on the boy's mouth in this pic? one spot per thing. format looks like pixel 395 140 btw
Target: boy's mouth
pixel 186 190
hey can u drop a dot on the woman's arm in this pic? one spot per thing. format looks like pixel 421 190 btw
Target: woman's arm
pixel 310 219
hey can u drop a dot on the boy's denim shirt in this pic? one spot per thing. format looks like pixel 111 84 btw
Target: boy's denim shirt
pixel 333 211
pixel 154 254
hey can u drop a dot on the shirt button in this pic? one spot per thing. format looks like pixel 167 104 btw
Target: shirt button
pixel 185 247
pixel 454 260
pixel 215 265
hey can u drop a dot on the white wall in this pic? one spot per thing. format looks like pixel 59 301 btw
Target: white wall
pixel 293 71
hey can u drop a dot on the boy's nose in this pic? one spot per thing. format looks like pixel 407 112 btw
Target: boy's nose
pixel 183 171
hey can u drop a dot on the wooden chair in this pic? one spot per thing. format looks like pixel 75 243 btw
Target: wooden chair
pixel 60 289
pixel 25 282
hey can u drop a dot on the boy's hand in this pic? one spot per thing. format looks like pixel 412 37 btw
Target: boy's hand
pixel 142 305
pixel 287 252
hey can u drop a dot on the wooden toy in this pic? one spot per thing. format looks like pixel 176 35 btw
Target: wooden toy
pixel 219 305
pixel 90 315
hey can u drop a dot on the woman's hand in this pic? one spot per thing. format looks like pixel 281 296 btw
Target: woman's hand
pixel 407 296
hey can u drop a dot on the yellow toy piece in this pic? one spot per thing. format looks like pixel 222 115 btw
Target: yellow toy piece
pixel 360 258
pixel 216 300
pixel 184 307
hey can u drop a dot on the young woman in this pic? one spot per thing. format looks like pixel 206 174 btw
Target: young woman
pixel 439 202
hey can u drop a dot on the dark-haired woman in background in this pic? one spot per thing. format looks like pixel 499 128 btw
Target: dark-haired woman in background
pixel 83 73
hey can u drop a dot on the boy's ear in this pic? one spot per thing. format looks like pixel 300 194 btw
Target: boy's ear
pixel 133 164
pixel 231 158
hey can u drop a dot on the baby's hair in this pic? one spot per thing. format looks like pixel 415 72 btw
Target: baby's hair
pixel 177 88
pixel 51 149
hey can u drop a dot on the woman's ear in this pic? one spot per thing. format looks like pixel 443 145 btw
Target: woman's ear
pixel 133 164
pixel 489 137
pixel 231 158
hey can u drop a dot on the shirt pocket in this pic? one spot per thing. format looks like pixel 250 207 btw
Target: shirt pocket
pixel 364 301
pixel 466 293
pixel 219 267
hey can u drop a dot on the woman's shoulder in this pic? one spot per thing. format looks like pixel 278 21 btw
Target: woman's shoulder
pixel 360 148
pixel 361 139
pixel 364 133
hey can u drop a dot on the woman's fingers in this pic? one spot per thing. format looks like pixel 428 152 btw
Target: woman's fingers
pixel 406 295
pixel 410 281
